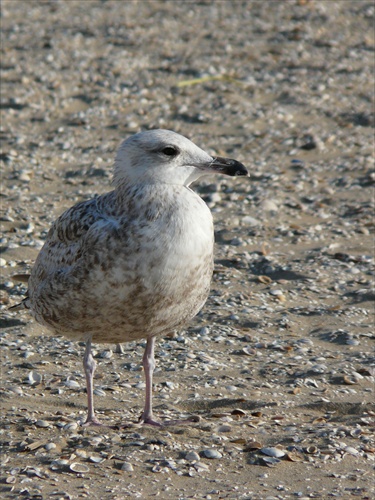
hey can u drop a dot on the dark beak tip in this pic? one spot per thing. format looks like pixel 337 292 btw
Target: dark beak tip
pixel 228 166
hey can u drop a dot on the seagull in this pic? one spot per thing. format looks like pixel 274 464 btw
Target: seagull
pixel 135 262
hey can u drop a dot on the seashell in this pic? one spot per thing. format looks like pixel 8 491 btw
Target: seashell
pixel 269 461
pixel 59 464
pixel 265 279
pixel 319 420
pixel 127 467
pixel 294 456
pixel 238 412
pixel 72 384
pixel 96 459
pixel 79 468
pixel 10 479
pixel 50 446
pixel 71 426
pixel 224 428
pixel 42 423
pixel 106 354
pixel 35 378
pixel 312 450
pixel 211 454
pixel 252 445
pixel 238 441
pixel 349 380
pixel 99 392
pixel 201 467
pixel 351 450
pixel 95 441
pixel 248 351
pixel 192 456
pixel 273 452
pixel 35 445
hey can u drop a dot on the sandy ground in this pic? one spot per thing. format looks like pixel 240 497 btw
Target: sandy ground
pixel 277 366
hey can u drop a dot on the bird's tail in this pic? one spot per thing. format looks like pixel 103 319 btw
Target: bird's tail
pixel 20 307
pixel 24 278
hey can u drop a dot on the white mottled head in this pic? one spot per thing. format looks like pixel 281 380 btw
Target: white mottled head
pixel 162 156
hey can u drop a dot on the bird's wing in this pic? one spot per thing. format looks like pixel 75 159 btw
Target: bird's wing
pixel 74 234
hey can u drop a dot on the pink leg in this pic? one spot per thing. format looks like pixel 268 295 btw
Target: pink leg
pixel 89 365
pixel 149 366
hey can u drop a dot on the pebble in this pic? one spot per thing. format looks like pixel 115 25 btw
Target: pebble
pixel 293 258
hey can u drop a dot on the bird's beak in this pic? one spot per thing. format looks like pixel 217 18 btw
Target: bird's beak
pixel 226 166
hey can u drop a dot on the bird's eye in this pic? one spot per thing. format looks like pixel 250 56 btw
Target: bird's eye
pixel 170 151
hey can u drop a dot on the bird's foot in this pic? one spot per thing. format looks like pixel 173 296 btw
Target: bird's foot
pixel 150 421
pixel 93 421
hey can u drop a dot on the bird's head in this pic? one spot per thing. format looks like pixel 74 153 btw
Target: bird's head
pixel 163 156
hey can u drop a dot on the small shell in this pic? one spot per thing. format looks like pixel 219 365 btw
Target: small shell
pixel 269 461
pixel 248 351
pixel 99 392
pixel 35 378
pixel 201 467
pixel 224 428
pixel 35 445
pixel 349 380
pixel 273 452
pixel 79 468
pixel 42 423
pixel 71 426
pixel 265 279
pixel 72 384
pixel 351 450
pixel 127 467
pixel 312 450
pixel 50 446
pixel 211 453
pixel 96 459
pixel 192 456
pixel 294 456
pixel 59 464
pixel 238 412
pixel 252 445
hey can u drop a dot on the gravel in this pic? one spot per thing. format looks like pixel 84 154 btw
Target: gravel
pixel 277 367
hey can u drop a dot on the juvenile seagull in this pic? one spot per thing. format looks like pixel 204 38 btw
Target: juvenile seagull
pixel 135 262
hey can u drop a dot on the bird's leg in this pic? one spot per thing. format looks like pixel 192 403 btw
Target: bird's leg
pixel 89 365
pixel 149 366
